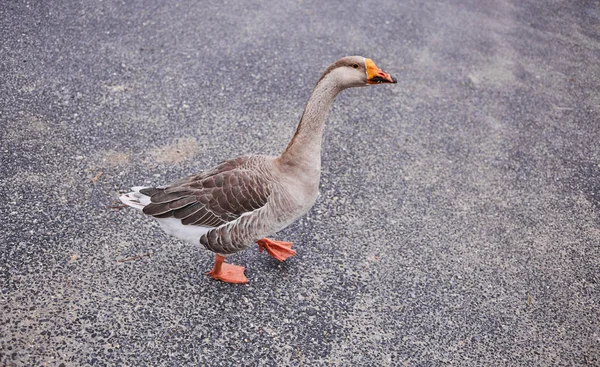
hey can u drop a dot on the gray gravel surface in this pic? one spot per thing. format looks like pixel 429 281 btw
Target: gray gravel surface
pixel 459 216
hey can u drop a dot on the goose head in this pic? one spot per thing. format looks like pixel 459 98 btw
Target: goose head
pixel 357 71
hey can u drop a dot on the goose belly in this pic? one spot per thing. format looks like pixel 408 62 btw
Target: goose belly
pixel 187 233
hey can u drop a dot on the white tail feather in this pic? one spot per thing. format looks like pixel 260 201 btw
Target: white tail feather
pixel 135 199
pixel 172 226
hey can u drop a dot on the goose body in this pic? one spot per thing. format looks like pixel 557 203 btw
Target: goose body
pixel 242 200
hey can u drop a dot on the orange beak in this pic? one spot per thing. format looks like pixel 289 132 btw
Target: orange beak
pixel 377 76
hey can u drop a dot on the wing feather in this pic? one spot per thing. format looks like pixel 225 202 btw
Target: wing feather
pixel 186 211
pixel 212 198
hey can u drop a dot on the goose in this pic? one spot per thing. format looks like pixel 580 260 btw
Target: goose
pixel 241 201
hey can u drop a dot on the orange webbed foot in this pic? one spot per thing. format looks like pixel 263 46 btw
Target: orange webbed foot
pixel 227 273
pixel 278 249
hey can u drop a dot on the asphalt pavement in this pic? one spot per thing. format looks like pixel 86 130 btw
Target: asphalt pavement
pixel 459 215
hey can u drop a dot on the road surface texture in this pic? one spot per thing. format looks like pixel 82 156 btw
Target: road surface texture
pixel 459 215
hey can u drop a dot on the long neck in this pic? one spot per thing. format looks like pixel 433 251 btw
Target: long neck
pixel 305 147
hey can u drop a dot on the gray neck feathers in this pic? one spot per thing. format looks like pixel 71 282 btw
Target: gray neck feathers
pixel 305 147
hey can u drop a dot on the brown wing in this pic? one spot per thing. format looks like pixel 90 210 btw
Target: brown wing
pixel 211 198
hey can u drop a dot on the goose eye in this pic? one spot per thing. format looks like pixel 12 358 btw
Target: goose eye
pixel 355 66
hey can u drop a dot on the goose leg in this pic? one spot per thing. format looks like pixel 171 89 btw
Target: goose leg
pixel 277 249
pixel 227 273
